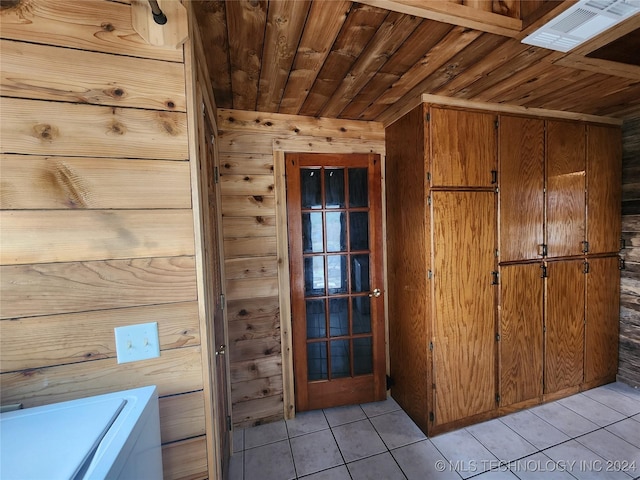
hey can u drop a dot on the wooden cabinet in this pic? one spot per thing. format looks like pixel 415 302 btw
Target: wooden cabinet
pixel 491 307
pixel 464 303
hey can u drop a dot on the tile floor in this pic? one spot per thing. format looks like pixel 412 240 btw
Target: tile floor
pixel 591 435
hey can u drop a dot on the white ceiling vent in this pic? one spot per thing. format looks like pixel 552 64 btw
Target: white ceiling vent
pixel 581 22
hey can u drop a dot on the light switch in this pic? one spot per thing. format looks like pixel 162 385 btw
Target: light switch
pixel 137 342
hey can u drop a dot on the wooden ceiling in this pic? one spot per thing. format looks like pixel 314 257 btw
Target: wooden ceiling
pixel 342 59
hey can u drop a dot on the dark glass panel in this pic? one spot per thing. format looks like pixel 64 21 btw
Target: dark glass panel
pixel 339 316
pixel 312 232
pixel 359 230
pixel 317 361
pixel 310 188
pixel 316 319
pixel 361 315
pixel 360 273
pixel 313 276
pixel 334 187
pixel 340 366
pixel 337 273
pixel 336 232
pixel 358 187
pixel 362 356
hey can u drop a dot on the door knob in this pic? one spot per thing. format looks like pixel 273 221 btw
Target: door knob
pixel 375 293
pixel 222 349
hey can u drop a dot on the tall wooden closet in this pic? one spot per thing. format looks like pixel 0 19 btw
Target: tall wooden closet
pixel 503 235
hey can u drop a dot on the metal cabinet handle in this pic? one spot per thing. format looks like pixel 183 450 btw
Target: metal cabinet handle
pixel 376 293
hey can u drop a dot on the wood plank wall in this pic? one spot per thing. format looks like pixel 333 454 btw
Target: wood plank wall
pixel 247 143
pixel 629 350
pixel 97 219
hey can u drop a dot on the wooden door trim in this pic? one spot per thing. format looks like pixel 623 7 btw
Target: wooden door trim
pixel 282 240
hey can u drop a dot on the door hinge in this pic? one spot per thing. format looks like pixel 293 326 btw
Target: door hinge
pixel 497 337
pixel 429 274
pixel 212 139
pixel 585 247
pixel 428 117
pixel 431 346
pixel 432 417
pixel 429 200
pixel 621 264
pixel 229 426
pixel 497 253
pixel 496 278
pixel 543 249
pixel 203 109
pixel 586 267
pixel 216 175
pixel 544 271
pixel 390 382
pixel 498 398
pixel 497 123
pixel 623 244
pixel 428 176
pixel 222 299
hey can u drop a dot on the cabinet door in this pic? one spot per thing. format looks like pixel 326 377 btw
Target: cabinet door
pixel 463 148
pixel 565 188
pixel 521 322
pixel 564 323
pixel 464 303
pixel 604 191
pixel 603 319
pixel 521 197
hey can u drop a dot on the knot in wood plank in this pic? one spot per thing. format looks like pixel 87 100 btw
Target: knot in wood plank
pixel 46 132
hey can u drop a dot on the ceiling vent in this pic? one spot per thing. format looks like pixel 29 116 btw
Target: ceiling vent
pixel 581 22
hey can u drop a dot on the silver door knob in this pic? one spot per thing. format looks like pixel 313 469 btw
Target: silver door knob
pixel 222 349
pixel 376 293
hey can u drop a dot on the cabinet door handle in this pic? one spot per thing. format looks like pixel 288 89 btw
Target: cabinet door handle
pixel 494 177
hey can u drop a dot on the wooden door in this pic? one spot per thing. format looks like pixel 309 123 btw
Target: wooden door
pixel 335 238
pixel 521 324
pixel 565 188
pixel 464 242
pixel 564 325
pixel 521 195
pixel 604 188
pixel 603 319
pixel 214 298
pixel 463 148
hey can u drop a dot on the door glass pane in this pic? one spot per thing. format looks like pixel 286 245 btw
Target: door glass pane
pixel 358 187
pixel 310 188
pixel 312 232
pixel 359 230
pixel 337 272
pixel 360 273
pixel 340 359
pixel 362 356
pixel 361 314
pixel 339 316
pixel 313 276
pixel 336 232
pixel 317 361
pixel 316 321
pixel 334 187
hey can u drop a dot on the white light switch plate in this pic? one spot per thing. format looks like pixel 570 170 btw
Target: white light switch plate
pixel 137 342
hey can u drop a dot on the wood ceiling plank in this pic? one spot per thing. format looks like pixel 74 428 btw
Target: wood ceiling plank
pixel 285 23
pixel 611 92
pixel 361 25
pixel 455 41
pixel 212 21
pixel 504 73
pixel 600 66
pixel 564 90
pixel 424 38
pixel 389 37
pixel 246 23
pixel 324 22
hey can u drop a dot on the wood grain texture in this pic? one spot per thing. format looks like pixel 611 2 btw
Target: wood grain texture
pixel 49 340
pixel 92 25
pixel 246 184
pixel 252 308
pixel 246 164
pixel 85 235
pixel 259 226
pixel 251 369
pixel 182 416
pixel 186 459
pixel 55 128
pixel 251 267
pixel 602 319
pixel 564 324
pixel 48 289
pixel 248 205
pixel 408 260
pixel 43 182
pixel 245 247
pixel 251 288
pixel 175 371
pixel 521 179
pixel 162 87
pixel 464 242
pixel 463 148
pixel 565 188
pixel 258 412
pixel 604 177
pixel 255 389
pixel 521 336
